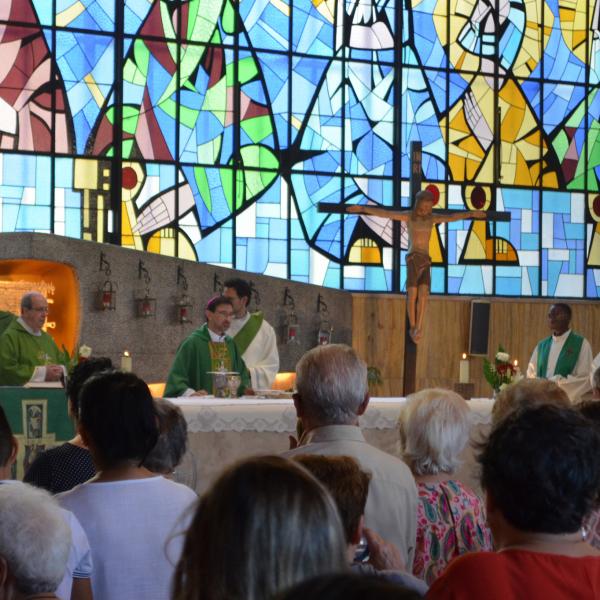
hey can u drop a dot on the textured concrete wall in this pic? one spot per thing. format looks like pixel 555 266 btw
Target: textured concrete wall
pixel 153 341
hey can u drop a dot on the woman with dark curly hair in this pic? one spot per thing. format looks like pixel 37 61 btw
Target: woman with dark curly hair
pixel 541 474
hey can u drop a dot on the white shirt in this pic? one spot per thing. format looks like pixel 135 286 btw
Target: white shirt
pixel 261 356
pixel 136 529
pixel 578 382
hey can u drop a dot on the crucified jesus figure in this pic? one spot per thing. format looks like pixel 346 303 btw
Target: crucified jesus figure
pixel 420 221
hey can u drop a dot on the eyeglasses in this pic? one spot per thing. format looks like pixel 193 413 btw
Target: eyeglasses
pixel 223 314
pixel 40 309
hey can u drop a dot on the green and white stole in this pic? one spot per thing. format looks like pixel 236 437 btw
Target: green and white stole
pixel 243 338
pixel 567 359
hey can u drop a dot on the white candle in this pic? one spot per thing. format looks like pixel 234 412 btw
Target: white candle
pixel 463 373
pixel 126 364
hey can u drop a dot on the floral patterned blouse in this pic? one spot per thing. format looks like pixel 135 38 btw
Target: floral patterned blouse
pixel 450 521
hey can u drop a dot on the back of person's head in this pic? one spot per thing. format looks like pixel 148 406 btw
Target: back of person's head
pixel 35 539
pixel 528 393
pixel 348 586
pixel 434 430
pixel 118 418
pixel 6 439
pixel 541 467
pixel 331 381
pixel 80 374
pixel 265 525
pixel 172 440
pixel 347 483
pixel 590 409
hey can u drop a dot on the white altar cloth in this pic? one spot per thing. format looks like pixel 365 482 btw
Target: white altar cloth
pixel 223 430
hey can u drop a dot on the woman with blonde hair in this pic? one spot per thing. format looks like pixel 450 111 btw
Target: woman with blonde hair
pixel 265 525
pixel 528 393
pixel 434 430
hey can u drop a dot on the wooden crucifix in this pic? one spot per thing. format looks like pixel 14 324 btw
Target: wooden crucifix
pixel 420 221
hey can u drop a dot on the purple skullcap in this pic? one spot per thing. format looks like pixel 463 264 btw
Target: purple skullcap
pixel 217 300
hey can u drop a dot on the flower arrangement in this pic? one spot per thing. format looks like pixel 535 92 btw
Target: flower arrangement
pixel 502 371
pixel 70 360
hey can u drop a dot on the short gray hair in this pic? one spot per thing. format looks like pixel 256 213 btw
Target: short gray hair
pixel 332 383
pixel 35 538
pixel 172 439
pixel 434 430
pixel 27 300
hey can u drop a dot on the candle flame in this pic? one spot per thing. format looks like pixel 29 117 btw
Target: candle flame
pixel 516 363
pixel 464 356
pixel 126 353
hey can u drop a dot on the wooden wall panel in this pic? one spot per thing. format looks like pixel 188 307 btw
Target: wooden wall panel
pixel 378 335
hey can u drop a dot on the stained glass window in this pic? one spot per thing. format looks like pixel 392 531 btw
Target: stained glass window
pixel 214 130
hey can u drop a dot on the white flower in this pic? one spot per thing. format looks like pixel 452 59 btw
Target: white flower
pixel 502 357
pixel 502 386
pixel 85 351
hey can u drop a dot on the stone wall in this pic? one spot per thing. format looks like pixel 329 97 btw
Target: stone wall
pixel 153 341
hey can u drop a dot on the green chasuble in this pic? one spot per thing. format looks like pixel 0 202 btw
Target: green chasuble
pixel 196 356
pixel 567 359
pixel 21 352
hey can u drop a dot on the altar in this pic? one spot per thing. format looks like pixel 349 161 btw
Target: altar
pixel 38 419
pixel 223 430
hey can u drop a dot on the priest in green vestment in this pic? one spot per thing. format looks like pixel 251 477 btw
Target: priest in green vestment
pixel 207 349
pixel 28 354
pixel 564 357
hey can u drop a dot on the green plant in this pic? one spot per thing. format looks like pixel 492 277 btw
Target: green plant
pixel 374 376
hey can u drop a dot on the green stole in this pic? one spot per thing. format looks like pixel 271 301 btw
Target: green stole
pixel 243 338
pixel 567 359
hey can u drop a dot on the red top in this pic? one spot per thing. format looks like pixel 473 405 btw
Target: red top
pixel 518 574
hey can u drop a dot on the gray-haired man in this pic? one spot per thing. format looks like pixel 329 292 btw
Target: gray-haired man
pixel 332 393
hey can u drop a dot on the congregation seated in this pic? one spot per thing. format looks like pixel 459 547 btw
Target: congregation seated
pixel 63 467
pixel 349 587
pixel 131 516
pixel 541 473
pixel 348 485
pixel 75 583
pixel 171 445
pixel 434 431
pixel 34 543
pixel 528 393
pixel 265 525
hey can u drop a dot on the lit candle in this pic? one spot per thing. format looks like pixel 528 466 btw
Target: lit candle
pixel 463 373
pixel 126 362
